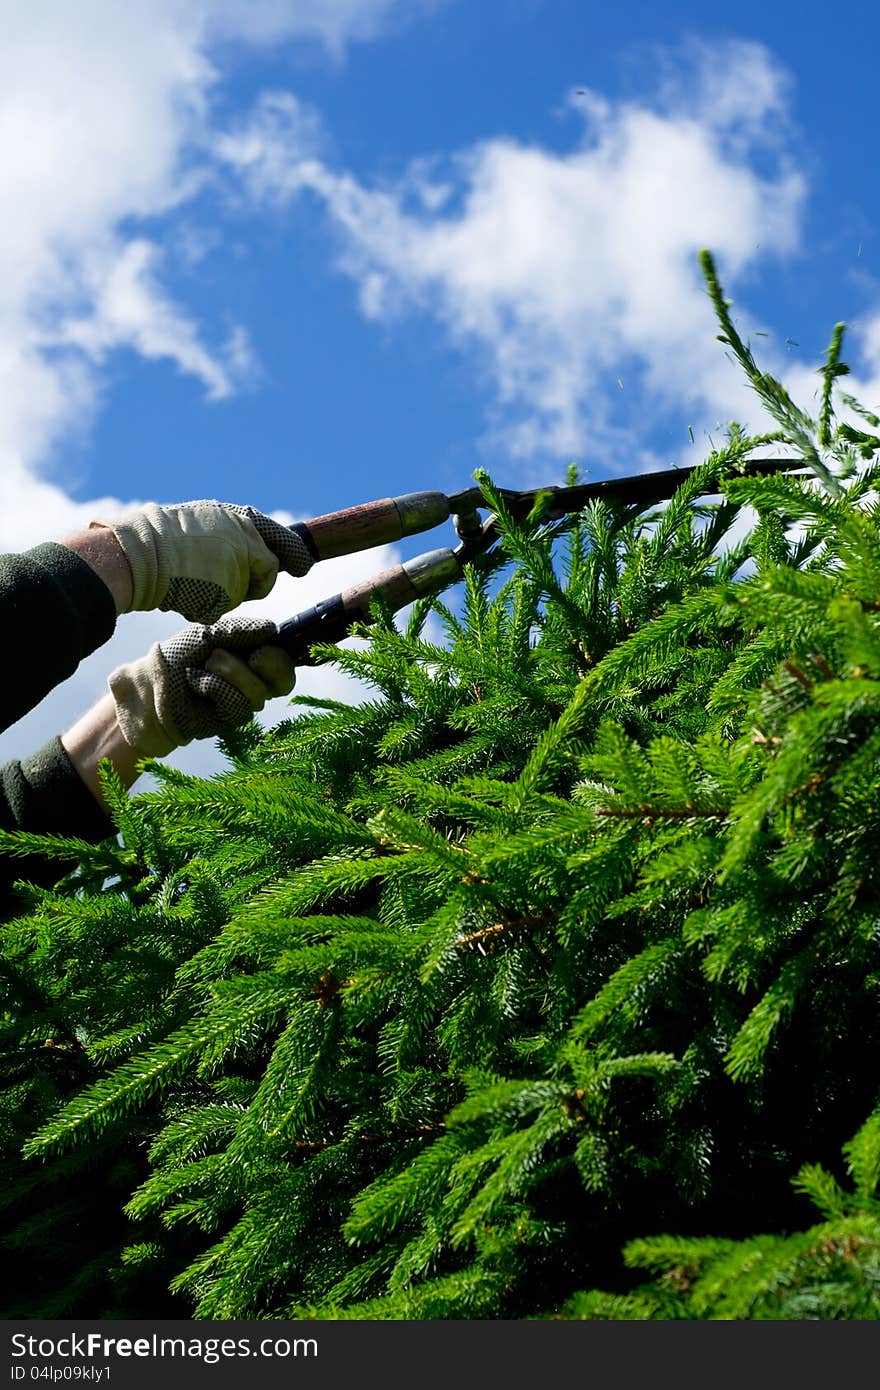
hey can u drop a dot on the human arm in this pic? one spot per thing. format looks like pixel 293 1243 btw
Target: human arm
pixel 44 794
pixel 101 551
pixel 55 610
pixel 96 735
pixel 189 686
pixel 60 600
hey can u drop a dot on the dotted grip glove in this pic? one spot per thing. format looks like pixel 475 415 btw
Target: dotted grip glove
pixel 203 558
pixel 199 683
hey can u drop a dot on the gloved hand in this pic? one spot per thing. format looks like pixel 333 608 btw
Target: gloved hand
pixel 199 683
pixel 203 558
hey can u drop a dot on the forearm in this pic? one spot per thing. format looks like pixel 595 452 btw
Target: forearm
pixel 159 711
pixel 102 552
pixel 95 736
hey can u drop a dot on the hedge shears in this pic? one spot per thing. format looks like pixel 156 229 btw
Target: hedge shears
pixel 393 518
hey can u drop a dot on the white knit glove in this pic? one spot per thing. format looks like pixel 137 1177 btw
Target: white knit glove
pixel 199 683
pixel 203 558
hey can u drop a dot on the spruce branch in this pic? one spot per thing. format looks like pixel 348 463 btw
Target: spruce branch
pixel 797 426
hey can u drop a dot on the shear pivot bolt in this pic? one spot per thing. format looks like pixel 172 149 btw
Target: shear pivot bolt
pixel 468 525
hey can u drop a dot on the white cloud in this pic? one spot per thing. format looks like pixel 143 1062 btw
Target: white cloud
pixel 332 23
pixel 129 309
pixel 729 87
pixel 97 103
pixel 105 118
pixel 266 147
pixel 561 272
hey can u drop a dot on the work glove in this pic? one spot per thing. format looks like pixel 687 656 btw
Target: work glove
pixel 203 558
pixel 199 683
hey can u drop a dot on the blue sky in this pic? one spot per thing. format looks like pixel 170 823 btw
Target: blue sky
pixel 341 399
pixel 304 253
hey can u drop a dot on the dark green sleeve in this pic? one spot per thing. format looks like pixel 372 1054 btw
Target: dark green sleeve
pixel 54 610
pixel 44 793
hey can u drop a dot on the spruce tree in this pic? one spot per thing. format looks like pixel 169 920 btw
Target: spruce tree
pixel 541 983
